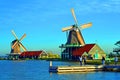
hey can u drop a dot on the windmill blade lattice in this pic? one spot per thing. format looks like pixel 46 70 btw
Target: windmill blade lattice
pixel 73 13
pixel 14 34
pixel 85 26
pixel 22 37
pixel 67 28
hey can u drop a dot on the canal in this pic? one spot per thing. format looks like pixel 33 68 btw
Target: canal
pixel 39 70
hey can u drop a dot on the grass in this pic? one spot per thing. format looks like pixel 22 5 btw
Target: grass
pixel 89 62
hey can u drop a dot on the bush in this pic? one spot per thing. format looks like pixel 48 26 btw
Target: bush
pixel 94 62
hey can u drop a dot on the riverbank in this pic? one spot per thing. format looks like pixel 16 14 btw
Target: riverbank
pixel 88 62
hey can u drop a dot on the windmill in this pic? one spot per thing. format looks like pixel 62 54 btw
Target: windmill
pixel 17 45
pixel 75 35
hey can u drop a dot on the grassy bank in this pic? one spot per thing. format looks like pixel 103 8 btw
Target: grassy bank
pixel 88 62
pixel 99 62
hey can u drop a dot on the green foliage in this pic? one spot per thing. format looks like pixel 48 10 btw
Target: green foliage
pixel 51 55
pixel 99 61
pixel 94 62
pixel 2 58
pixel 111 55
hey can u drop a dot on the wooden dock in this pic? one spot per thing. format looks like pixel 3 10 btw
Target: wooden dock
pixel 64 69
pixel 86 68
pixel 111 68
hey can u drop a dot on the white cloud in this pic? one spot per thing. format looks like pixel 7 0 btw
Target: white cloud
pixel 105 6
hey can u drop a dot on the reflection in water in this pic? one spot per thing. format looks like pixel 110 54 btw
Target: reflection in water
pixel 38 70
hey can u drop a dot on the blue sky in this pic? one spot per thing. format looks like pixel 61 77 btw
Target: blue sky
pixel 42 21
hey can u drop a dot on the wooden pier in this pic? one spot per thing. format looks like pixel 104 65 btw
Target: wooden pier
pixel 111 68
pixel 86 68
pixel 64 69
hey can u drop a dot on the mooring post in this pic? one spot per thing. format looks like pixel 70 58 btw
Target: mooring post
pixel 50 63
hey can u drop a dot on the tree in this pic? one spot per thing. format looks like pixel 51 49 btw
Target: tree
pixel 117 50
pixel 110 55
pixel 117 43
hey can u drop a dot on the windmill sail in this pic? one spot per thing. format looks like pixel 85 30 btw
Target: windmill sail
pixel 85 26
pixel 73 13
pixel 67 28
pixel 24 49
pixel 22 37
pixel 14 34
pixel 80 38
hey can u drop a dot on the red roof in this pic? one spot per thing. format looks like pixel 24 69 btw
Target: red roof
pixel 81 50
pixel 31 53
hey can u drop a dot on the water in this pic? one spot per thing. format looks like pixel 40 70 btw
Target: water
pixel 38 70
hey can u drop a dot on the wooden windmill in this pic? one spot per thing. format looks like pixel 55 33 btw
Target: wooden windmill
pixel 75 35
pixel 17 45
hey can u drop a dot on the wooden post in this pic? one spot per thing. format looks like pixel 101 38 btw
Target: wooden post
pixel 50 63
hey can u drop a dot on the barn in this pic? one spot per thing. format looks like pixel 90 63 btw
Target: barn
pixel 32 54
